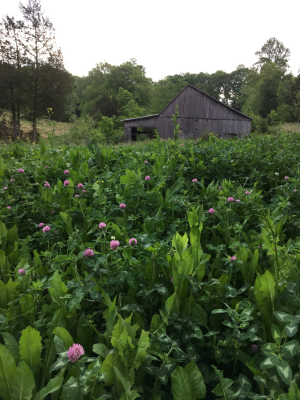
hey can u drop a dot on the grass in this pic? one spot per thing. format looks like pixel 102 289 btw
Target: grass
pixel 44 127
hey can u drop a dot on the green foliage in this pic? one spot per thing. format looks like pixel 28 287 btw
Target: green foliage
pixel 209 281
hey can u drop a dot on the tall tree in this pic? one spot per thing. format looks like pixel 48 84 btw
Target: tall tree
pixel 274 51
pixel 40 47
pixel 13 59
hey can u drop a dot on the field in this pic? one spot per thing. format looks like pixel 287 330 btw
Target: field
pixel 165 270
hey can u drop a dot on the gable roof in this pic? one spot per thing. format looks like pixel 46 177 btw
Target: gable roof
pixel 207 95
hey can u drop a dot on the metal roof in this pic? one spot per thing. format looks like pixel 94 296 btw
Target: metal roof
pixel 147 116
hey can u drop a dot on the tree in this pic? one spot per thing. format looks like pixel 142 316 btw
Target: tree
pixel 39 45
pixel 11 32
pixel 261 90
pixel 274 51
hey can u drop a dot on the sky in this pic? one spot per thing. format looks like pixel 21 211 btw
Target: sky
pixel 168 37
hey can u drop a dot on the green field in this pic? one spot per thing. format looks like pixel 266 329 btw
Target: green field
pixel 188 289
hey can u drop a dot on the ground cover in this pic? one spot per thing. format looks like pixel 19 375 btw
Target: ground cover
pixel 163 270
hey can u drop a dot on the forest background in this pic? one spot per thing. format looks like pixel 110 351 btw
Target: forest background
pixel 34 84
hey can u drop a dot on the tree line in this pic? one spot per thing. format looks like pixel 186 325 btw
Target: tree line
pixel 32 74
pixel 33 79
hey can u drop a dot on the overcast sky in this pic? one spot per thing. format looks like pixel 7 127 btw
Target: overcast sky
pixel 168 37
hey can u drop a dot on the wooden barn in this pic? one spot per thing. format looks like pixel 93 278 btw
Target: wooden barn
pixel 198 113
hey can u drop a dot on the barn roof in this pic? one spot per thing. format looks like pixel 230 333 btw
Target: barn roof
pixel 147 116
pixel 207 95
pixel 189 85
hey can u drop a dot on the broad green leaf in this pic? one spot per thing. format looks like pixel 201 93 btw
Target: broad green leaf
pixel 3 295
pixel 23 383
pixel 58 290
pixel 290 349
pixel 129 394
pixel 199 315
pixel 180 244
pixel 7 372
pixel 52 386
pixel 124 346
pixel 31 347
pixel 68 221
pixel 64 335
pixel 196 382
pixel 284 371
pixel 291 329
pixel 12 345
pixel 71 391
pixel 294 392
pixel 264 292
pixel 270 362
pixel 282 316
pixel 100 349
pixel 223 388
pixel 141 350
pixel 276 334
pixel 12 234
pixel 181 385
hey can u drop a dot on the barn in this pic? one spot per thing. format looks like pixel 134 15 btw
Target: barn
pixel 198 113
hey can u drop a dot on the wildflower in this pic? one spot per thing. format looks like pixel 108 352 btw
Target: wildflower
pixel 21 170
pixel 147 178
pixel 276 173
pixel 75 352
pixel 181 145
pixel 122 205
pixel 145 162
pixel 230 199
pixel 66 182
pixel 220 187
pixel 12 180
pixel 80 185
pixel 211 211
pixel 171 280
pixel 46 229
pixel 22 271
pixel 247 192
pixel 66 171
pixel 295 190
pixel 233 258
pixel 254 348
pixel 47 184
pixel 76 195
pixel 84 191
pixel 102 225
pixel 132 241
pixel 194 180
pixel 5 188
pixel 46 166
pixel 286 178
pixel 88 253
pixel 114 244
pixel 41 224
pixel 9 207
pixel 238 200
pixel 52 212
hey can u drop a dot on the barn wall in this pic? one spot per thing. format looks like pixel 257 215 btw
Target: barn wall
pixel 194 127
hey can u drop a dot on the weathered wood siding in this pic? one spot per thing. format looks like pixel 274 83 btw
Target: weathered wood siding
pixel 198 113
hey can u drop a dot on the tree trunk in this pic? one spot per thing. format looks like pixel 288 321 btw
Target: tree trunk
pixel 13 110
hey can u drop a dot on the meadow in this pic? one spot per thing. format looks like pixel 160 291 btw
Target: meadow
pixel 160 270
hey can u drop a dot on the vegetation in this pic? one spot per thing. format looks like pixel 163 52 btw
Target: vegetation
pixel 165 270
pixel 33 79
